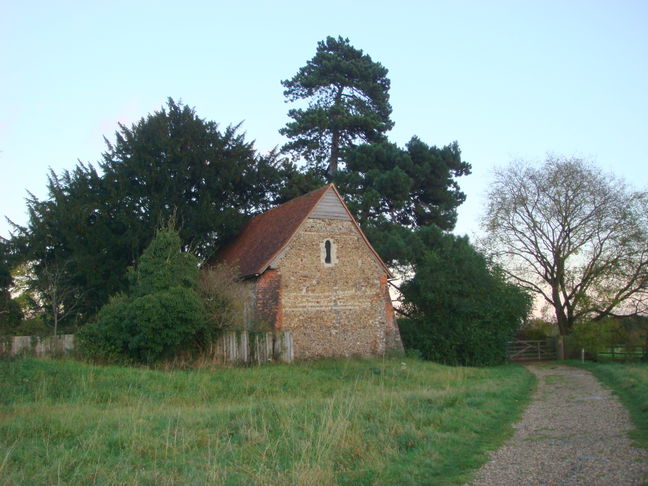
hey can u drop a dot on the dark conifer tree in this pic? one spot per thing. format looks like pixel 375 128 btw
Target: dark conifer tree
pixel 348 102
pixel 10 312
pixel 170 164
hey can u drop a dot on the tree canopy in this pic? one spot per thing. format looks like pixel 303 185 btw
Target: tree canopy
pixel 573 235
pixel 94 225
pixel 460 310
pixel 159 314
pixel 348 102
pixel 412 187
pixel 173 165
pixel 390 189
pixel 10 312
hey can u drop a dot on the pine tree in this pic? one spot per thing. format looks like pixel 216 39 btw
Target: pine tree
pixel 348 102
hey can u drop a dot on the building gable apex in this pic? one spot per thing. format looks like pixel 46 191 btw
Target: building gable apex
pixel 331 206
pixel 267 236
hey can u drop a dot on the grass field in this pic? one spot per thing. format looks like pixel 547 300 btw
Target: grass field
pixel 630 382
pixel 348 422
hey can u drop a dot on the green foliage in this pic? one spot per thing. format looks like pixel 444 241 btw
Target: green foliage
pixel 107 339
pixel 348 101
pixel 72 243
pixel 386 186
pixel 175 164
pixel 170 163
pixel 162 323
pixel 163 265
pixel 329 422
pixel 595 336
pixel 411 187
pixel 34 326
pixel 537 330
pixel 460 310
pixel 10 312
pixel 599 336
pixel 162 313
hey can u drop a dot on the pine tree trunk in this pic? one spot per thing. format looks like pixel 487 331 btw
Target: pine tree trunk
pixel 335 136
pixel 335 153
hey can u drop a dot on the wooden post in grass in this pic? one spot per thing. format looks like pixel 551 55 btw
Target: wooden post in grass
pixel 560 348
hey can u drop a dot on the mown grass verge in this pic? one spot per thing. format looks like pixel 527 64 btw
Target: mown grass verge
pixel 346 422
pixel 630 382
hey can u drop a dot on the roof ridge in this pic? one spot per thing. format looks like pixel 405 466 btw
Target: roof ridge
pixel 309 193
pixel 267 233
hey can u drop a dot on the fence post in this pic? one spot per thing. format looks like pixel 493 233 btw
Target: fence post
pixel 245 347
pixel 560 348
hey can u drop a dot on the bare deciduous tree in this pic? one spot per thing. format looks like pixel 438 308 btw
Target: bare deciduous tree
pixel 58 297
pixel 226 297
pixel 575 236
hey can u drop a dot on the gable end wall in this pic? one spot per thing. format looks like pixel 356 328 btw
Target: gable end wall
pixel 338 310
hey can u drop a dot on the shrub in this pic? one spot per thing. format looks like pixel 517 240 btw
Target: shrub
pixel 537 330
pixel 34 326
pixel 159 316
pixel 461 310
pixel 596 336
pixel 107 338
pixel 164 322
pixel 225 297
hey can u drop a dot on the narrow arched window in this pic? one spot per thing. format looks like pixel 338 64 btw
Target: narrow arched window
pixel 328 252
pixel 327 249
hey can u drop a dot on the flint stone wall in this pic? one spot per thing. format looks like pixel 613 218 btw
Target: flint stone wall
pixel 335 310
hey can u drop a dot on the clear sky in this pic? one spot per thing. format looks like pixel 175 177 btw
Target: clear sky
pixel 506 80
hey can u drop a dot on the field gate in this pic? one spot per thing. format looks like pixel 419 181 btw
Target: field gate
pixel 533 350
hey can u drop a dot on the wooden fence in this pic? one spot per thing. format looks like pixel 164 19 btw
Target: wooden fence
pixel 620 352
pixel 37 345
pixel 242 347
pixel 531 350
pixel 252 347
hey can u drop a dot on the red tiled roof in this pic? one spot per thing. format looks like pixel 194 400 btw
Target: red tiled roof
pixel 267 233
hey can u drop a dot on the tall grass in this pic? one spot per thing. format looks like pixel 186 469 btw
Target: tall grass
pixel 630 382
pixel 348 422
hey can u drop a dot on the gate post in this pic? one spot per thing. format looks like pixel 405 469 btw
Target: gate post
pixel 560 347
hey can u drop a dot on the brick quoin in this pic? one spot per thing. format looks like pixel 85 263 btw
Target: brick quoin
pixel 268 299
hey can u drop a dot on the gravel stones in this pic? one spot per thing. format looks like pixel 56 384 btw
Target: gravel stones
pixel 574 432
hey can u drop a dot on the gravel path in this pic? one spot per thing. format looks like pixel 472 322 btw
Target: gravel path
pixel 574 432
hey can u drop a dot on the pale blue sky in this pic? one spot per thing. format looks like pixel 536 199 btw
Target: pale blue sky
pixel 505 79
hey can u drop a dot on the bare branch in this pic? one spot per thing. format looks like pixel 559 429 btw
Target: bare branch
pixel 571 234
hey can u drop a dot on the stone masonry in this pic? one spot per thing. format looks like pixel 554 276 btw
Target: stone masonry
pixel 313 273
pixel 339 309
